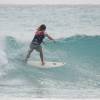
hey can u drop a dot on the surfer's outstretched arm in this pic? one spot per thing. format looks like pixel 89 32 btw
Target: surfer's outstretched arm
pixel 50 37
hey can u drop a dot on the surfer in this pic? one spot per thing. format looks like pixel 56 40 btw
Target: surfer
pixel 40 34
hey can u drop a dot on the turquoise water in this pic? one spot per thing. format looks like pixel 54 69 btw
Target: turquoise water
pixel 76 29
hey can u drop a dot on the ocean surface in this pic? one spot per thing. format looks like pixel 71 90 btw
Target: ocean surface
pixel 77 33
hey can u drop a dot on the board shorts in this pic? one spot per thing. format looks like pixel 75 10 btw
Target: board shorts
pixel 36 47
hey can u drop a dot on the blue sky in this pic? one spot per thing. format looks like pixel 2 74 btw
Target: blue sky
pixel 49 1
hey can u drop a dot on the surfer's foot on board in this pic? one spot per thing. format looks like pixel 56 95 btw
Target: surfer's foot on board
pixel 43 63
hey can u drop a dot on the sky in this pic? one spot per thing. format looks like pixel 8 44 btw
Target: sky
pixel 49 1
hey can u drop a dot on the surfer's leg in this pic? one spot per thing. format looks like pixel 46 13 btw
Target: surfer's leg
pixel 39 49
pixel 41 56
pixel 28 54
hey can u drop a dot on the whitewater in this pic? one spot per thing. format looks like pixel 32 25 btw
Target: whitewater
pixel 76 30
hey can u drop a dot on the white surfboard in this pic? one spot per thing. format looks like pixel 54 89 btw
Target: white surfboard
pixel 48 64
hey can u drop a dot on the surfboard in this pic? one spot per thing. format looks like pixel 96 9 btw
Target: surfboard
pixel 48 64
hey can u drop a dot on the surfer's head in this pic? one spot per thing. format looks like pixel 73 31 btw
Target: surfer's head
pixel 42 27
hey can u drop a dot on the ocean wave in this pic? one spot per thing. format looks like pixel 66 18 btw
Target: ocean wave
pixel 75 46
pixel 80 53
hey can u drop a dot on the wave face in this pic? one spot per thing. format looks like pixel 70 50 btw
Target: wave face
pixel 80 73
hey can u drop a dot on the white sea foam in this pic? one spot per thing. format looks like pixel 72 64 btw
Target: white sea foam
pixel 3 56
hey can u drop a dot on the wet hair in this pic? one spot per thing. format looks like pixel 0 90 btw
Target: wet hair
pixel 42 27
